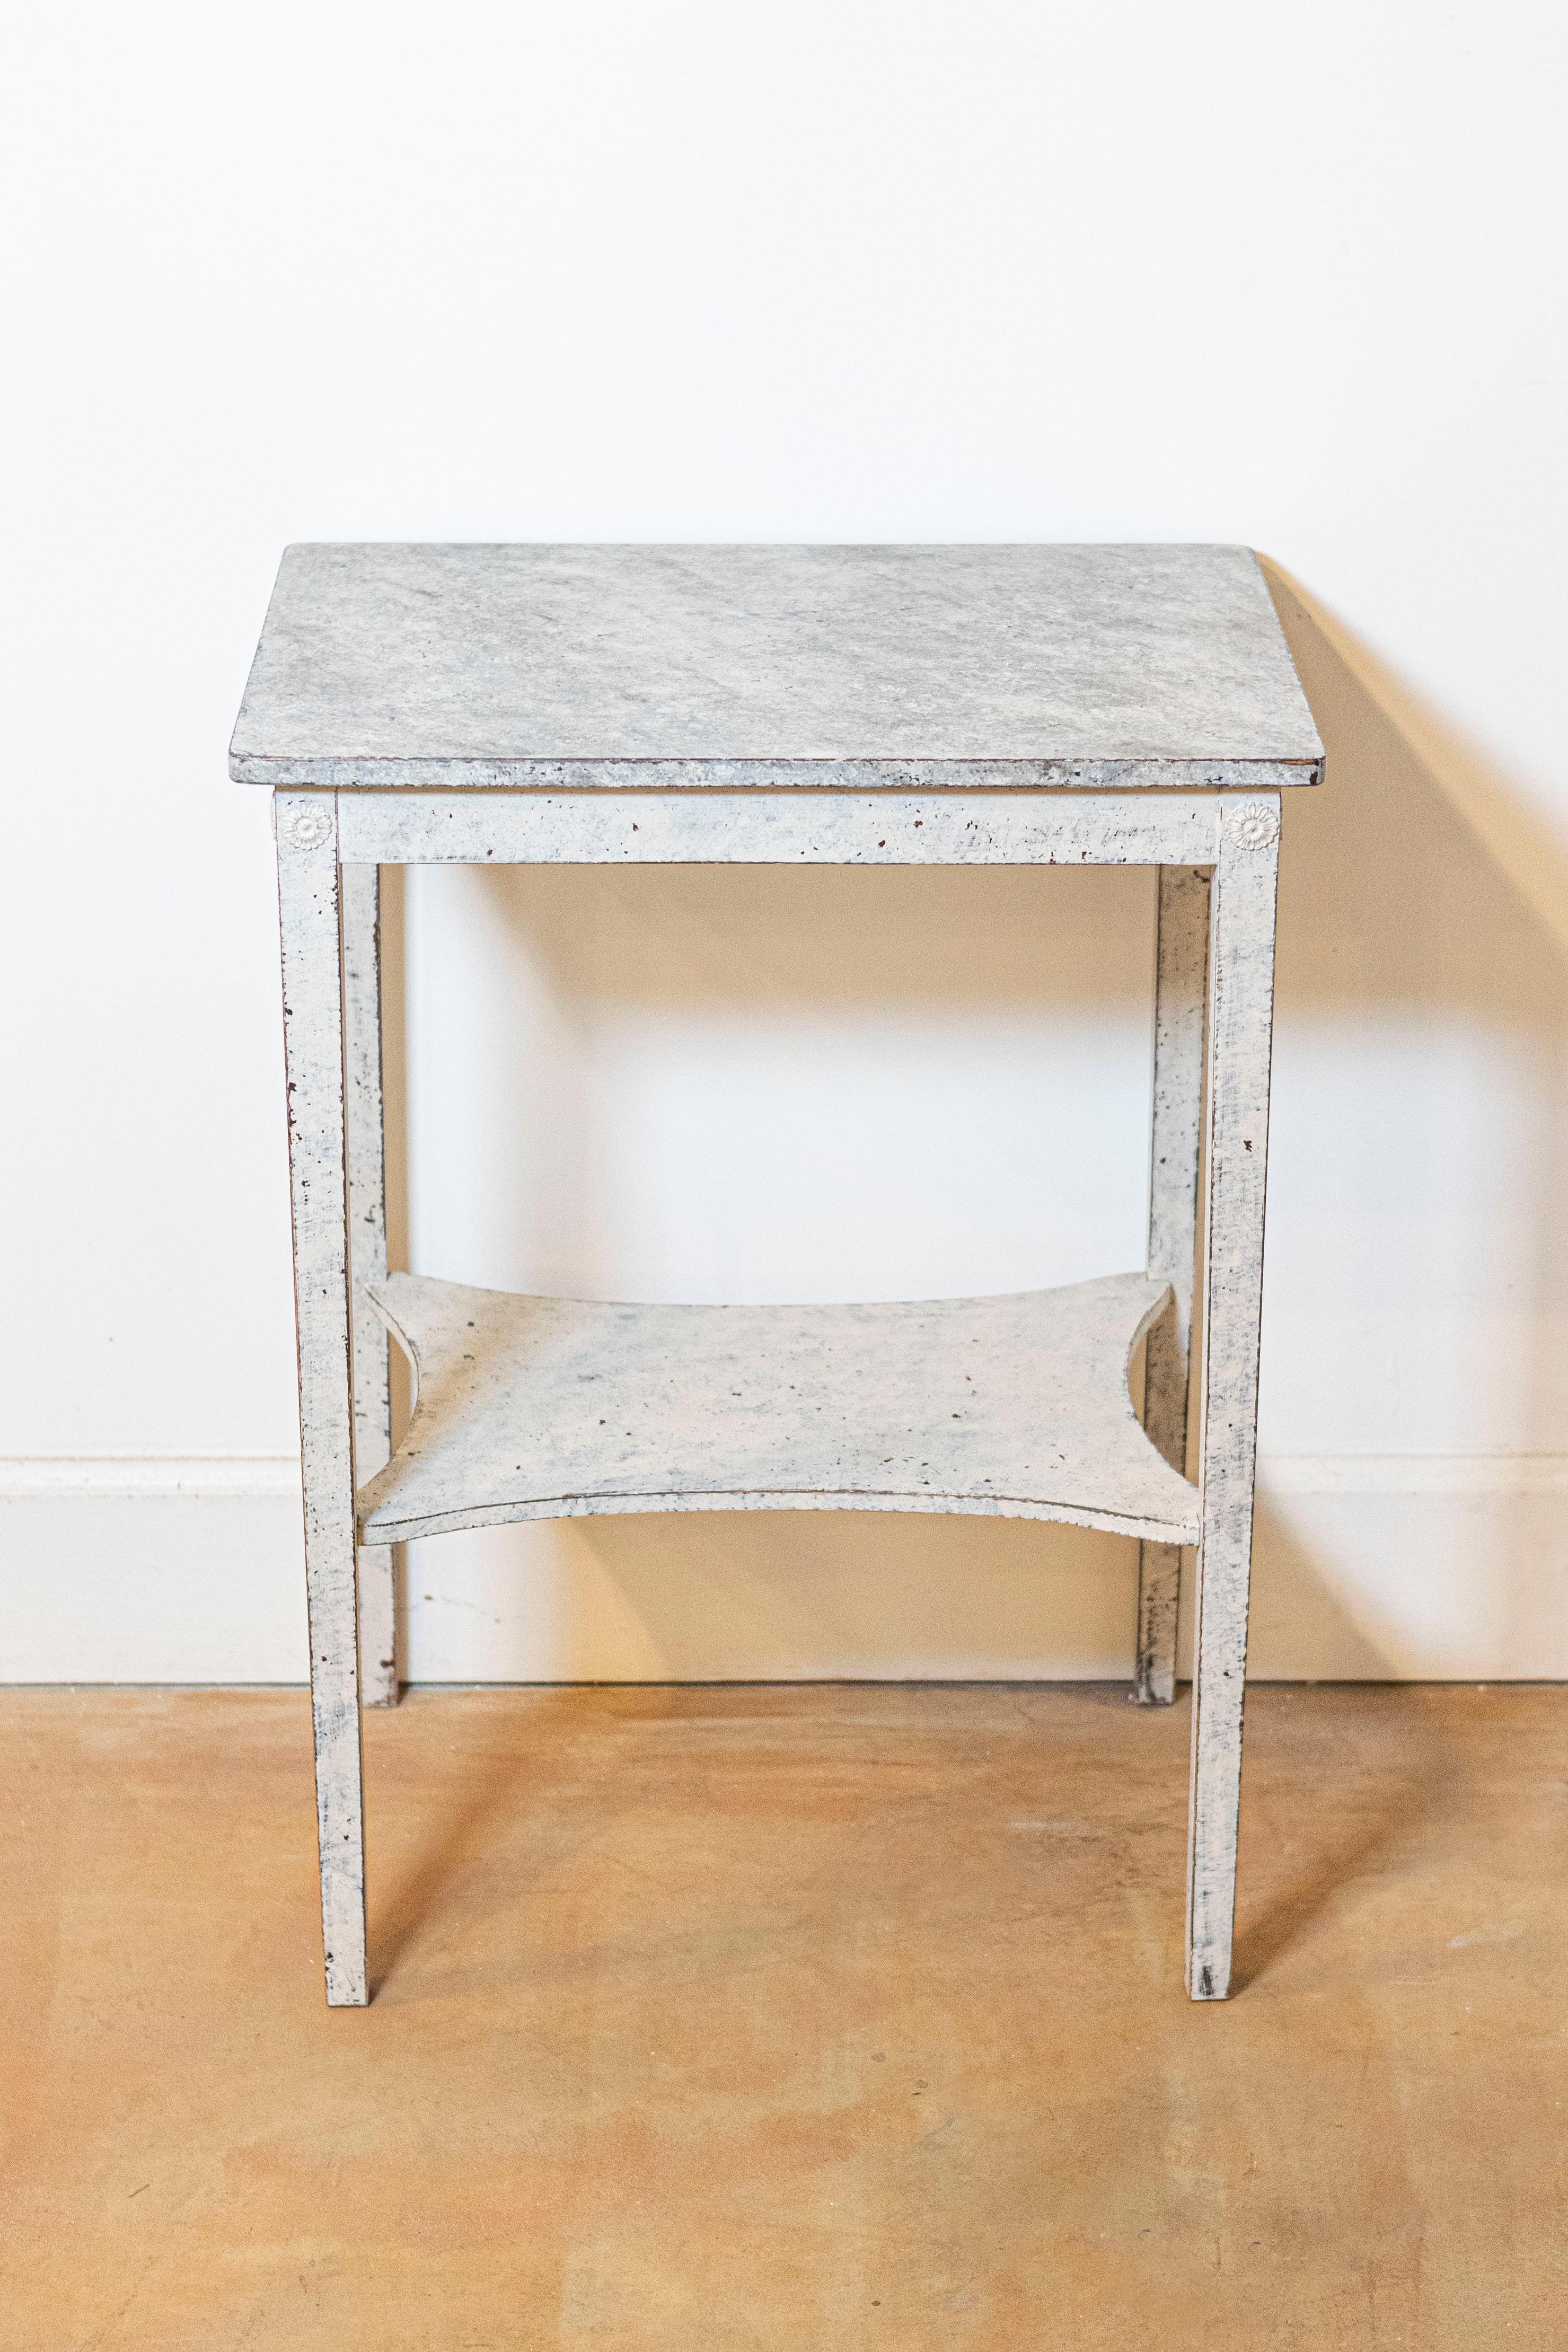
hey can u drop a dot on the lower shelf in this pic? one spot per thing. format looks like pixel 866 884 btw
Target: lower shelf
pixel 1015 1407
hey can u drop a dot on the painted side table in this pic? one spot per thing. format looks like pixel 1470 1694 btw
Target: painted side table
pixel 859 706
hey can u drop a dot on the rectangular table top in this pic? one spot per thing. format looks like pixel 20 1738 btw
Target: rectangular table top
pixel 904 667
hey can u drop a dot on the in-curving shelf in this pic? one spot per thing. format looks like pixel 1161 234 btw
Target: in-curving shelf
pixel 1014 1406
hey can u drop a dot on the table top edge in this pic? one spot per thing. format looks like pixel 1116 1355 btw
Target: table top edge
pixel 1145 772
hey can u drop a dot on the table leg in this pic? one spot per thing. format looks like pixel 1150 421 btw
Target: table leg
pixel 310 913
pixel 366 1126
pixel 1181 964
pixel 1241 1019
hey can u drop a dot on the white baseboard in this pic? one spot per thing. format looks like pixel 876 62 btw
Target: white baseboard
pixel 80 1476
pixel 1414 1473
pixel 152 1570
pixel 1374 1567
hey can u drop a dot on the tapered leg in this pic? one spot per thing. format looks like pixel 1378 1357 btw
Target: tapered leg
pixel 1181 964
pixel 1241 1021
pixel 310 914
pixel 367 1252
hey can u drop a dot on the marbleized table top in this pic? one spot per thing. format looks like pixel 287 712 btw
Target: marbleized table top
pixel 910 667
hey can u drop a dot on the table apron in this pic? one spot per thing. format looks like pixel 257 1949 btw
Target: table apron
pixel 757 828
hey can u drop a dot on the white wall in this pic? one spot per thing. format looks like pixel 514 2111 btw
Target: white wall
pixel 1278 273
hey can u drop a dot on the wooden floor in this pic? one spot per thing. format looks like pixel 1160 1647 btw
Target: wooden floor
pixel 797 2019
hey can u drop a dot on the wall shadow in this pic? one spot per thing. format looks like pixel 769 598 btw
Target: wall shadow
pixel 1371 718
pixel 1419 886
pixel 841 956
pixel 1296 1607
pixel 1424 898
pixel 747 938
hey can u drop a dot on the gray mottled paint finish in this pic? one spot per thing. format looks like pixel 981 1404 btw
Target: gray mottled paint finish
pixel 310 921
pixel 742 828
pixel 1181 966
pixel 366 1125
pixel 922 670
pixel 1240 1039
pixel 902 666
pixel 551 1408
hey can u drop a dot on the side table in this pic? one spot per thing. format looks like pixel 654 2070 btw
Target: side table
pixel 860 706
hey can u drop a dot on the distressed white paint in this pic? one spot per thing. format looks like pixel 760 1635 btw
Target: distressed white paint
pixel 712 1408
pixel 665 827
pixel 310 923
pixel 1240 1029
pixel 555 1408
pixel 1181 963
pixel 360 889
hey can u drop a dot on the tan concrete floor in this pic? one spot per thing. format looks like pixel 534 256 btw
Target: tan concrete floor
pixel 813 2018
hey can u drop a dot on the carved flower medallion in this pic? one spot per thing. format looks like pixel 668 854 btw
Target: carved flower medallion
pixel 309 827
pixel 1255 825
